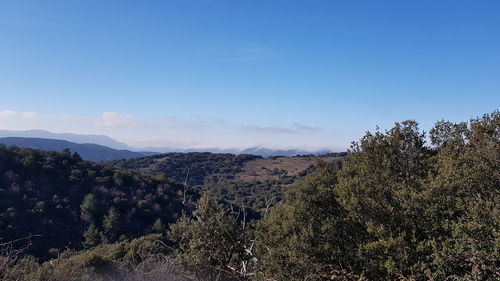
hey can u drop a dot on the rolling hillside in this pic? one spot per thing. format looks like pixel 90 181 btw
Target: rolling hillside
pixel 245 180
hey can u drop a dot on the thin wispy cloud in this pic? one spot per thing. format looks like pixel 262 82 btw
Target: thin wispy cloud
pixel 10 119
pixel 116 120
pixel 160 142
pixel 7 114
pixel 174 122
pixel 302 127
pixel 11 114
pixel 197 123
pixel 295 128
pixel 270 129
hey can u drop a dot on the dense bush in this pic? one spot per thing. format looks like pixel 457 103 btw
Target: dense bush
pixel 307 232
pixel 212 242
pixel 398 209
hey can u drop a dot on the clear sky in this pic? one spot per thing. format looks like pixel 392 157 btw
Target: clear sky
pixel 239 73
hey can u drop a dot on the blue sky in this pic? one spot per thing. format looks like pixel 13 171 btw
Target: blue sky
pixel 237 73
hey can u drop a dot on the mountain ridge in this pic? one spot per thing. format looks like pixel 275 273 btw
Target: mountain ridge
pixel 254 150
pixel 109 142
pixel 88 151
pixel 75 138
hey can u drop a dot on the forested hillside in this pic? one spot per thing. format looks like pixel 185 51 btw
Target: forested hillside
pixel 247 181
pixel 69 201
pixel 194 168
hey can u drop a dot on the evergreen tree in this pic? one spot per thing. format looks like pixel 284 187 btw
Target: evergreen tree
pixel 158 226
pixel 111 225
pixel 91 237
pixel 88 208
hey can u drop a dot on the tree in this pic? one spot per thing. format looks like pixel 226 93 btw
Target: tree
pixel 380 186
pixel 158 226
pixel 430 212
pixel 464 198
pixel 210 239
pixel 309 233
pixel 111 225
pixel 88 208
pixel 91 237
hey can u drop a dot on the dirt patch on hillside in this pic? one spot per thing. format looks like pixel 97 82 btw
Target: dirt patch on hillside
pixel 277 167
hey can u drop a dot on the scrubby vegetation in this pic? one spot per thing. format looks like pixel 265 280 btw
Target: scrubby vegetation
pixel 143 259
pixel 396 209
pixel 208 245
pixel 247 181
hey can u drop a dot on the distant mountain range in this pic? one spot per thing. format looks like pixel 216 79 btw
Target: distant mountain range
pixel 88 151
pixel 260 151
pixel 266 152
pixel 76 138
pixel 124 149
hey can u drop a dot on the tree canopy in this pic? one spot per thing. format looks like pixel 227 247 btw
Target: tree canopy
pixel 397 208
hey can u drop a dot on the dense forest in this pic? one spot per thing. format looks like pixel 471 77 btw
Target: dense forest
pixel 69 201
pixel 402 205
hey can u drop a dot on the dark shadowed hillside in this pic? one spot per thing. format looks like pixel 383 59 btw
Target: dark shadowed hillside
pixel 69 201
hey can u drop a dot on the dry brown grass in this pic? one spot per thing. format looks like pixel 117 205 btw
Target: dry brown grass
pixel 272 168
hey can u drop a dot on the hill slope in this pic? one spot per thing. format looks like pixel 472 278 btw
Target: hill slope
pixel 244 180
pixel 58 195
pixel 194 168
